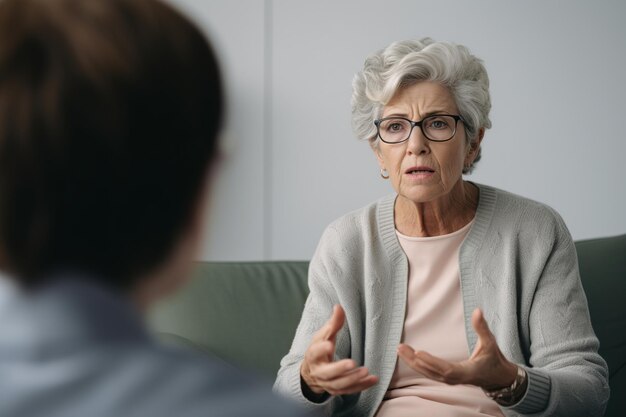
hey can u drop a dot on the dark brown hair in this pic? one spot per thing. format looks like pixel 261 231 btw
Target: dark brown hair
pixel 109 112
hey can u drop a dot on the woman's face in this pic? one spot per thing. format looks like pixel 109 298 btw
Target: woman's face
pixel 419 169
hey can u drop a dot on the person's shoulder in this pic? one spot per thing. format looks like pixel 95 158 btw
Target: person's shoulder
pixel 511 210
pixel 348 241
pixel 188 384
pixel 136 380
pixel 511 204
pixel 358 223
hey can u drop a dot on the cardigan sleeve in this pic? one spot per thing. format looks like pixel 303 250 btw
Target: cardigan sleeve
pixel 567 376
pixel 317 310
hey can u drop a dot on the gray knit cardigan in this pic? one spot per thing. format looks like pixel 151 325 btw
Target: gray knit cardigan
pixel 518 263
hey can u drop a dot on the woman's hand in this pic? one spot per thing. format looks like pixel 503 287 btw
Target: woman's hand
pixel 322 374
pixel 486 367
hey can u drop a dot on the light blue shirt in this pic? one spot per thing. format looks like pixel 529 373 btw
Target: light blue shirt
pixel 76 349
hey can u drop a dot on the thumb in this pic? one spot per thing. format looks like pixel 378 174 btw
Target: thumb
pixel 480 325
pixel 335 323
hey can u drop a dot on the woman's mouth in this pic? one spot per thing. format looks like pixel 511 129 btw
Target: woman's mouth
pixel 419 170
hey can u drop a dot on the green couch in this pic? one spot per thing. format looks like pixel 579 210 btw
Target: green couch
pixel 247 312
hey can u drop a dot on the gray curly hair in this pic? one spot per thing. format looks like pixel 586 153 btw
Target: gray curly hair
pixel 404 63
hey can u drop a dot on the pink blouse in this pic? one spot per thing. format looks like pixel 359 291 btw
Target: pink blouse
pixel 434 323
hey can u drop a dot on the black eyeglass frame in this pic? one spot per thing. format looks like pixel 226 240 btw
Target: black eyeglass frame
pixel 419 123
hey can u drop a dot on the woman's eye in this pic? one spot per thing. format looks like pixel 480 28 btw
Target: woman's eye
pixel 438 124
pixel 394 126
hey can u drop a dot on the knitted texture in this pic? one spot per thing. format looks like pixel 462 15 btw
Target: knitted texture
pixel 518 264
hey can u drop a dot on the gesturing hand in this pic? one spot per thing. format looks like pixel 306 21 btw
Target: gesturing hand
pixel 486 367
pixel 322 374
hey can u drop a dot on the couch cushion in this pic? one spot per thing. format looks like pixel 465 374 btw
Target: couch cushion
pixel 244 312
pixel 602 264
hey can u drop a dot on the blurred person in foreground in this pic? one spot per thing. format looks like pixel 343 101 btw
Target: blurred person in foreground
pixel 109 115
pixel 446 298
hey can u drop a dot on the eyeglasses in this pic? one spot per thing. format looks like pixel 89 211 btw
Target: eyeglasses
pixel 438 128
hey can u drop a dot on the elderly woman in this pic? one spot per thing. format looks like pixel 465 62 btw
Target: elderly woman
pixel 447 298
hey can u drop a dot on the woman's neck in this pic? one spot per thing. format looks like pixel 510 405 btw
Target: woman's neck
pixel 442 216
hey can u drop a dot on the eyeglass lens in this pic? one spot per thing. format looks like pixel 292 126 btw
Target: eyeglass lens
pixel 436 128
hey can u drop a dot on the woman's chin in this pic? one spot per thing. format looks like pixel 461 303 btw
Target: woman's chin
pixel 421 193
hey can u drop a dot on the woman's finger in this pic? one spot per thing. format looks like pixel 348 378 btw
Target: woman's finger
pixel 425 370
pixel 433 363
pixel 438 365
pixel 335 323
pixel 408 355
pixel 361 385
pixel 350 382
pixel 320 352
pixel 480 325
pixel 333 370
pixel 434 367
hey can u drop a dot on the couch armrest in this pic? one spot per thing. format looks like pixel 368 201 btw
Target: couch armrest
pixel 244 312
pixel 602 264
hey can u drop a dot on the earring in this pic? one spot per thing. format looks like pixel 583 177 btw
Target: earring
pixel 384 174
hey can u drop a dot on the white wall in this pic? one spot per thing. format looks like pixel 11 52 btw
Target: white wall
pixel 557 75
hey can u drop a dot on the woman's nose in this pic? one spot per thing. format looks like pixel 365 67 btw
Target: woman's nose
pixel 418 143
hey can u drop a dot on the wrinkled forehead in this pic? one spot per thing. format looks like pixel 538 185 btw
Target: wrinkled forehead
pixel 421 99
